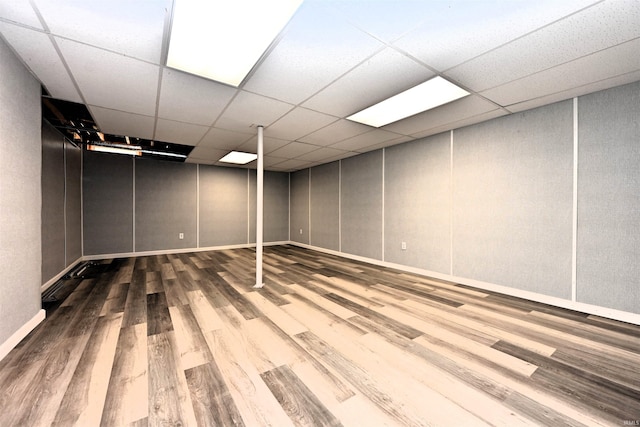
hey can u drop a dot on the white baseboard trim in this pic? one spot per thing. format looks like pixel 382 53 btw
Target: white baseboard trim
pixel 58 276
pixel 596 310
pixel 177 251
pixel 18 335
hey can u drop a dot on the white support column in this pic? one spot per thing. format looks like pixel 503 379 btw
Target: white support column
pixel 259 209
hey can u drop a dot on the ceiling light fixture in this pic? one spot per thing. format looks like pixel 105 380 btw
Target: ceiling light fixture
pixel 430 94
pixel 238 158
pixel 222 40
pixel 133 151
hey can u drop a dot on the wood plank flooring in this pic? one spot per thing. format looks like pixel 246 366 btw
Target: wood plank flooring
pixel 184 340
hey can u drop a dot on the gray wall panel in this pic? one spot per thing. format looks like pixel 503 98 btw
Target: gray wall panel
pixel 53 202
pixel 253 198
pixel 417 200
pixel 609 198
pixel 513 192
pixel 276 207
pixel 20 194
pixel 73 203
pixel 325 206
pixel 165 194
pixel 107 203
pixel 361 205
pixel 223 206
pixel 300 206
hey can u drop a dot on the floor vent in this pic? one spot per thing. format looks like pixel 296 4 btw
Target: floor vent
pixel 50 295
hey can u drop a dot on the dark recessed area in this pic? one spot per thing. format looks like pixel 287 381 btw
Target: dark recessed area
pixel 75 122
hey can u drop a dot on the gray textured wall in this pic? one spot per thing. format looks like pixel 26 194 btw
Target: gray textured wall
pixel 608 256
pixel 361 205
pixel 73 203
pixel 417 200
pixel 20 194
pixel 513 200
pixel 107 195
pixel 61 203
pixel 53 202
pixel 276 207
pixel 300 206
pixel 504 210
pixel 253 199
pixel 223 206
pixel 166 199
pixel 167 203
pixel 324 199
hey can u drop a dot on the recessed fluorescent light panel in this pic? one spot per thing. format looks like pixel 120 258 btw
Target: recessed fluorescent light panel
pixel 239 158
pixel 132 151
pixel 223 39
pixel 425 96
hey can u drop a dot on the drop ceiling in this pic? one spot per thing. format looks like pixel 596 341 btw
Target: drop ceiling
pixel 333 59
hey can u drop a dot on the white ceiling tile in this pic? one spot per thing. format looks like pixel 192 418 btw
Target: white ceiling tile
pixel 317 47
pixel 249 110
pixel 111 80
pixel 294 149
pixel 132 28
pixel 459 31
pixel 271 161
pixel 179 132
pixel 461 123
pixel 323 154
pixel 192 99
pixel 365 140
pixel 298 123
pixel 197 161
pixel 123 124
pixel 612 62
pixel 207 154
pixel 591 30
pixel 386 20
pixel 20 12
pixel 269 144
pixel 389 143
pixel 291 165
pixel 41 57
pixel 336 132
pixel 223 139
pixel 449 113
pixel 378 78
pixel 577 91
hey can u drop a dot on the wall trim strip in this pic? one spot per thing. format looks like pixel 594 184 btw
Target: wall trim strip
pixel 18 335
pixel 574 243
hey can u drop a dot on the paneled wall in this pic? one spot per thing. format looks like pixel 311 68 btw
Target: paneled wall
pixel 417 200
pixel 361 205
pixel 165 205
pixel 61 203
pixel 300 206
pixel 609 198
pixel 513 200
pixel 324 197
pixel 545 201
pixel 107 203
pixel 20 200
pixel 137 205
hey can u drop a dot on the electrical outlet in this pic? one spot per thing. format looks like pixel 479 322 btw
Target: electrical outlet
pixel 404 246
pixel 301 231
pixel 181 236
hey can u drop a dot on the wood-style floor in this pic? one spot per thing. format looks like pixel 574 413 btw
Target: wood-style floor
pixel 185 340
